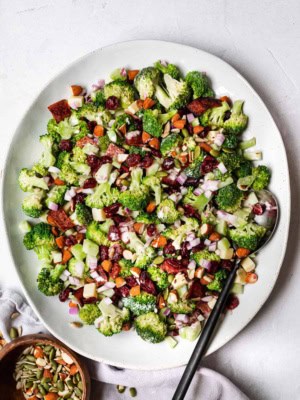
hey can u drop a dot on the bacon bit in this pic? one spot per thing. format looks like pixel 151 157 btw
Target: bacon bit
pixel 58 182
pixel 148 103
pixel 227 99
pixel 199 106
pixel 154 143
pixel 73 369
pixel 76 90
pixel 175 118
pixel 83 141
pixel 135 291
pixel 60 110
pixel 61 375
pixel 79 237
pixel 161 241
pixel 206 147
pixel 132 73
pixel 145 137
pixel 60 219
pixel 113 150
pixel 151 207
pixel 251 277
pixel 241 252
pixel 106 265
pixel 138 227
pixel 60 241
pixel 54 230
pixel 139 104
pixel 126 326
pixel 98 130
pixel 123 129
pixel 38 352
pixel 135 271
pixel 198 129
pixel 120 282
pixel 183 158
pixel 179 124
pixel 214 237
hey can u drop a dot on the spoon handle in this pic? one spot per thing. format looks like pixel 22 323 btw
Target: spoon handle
pixel 205 338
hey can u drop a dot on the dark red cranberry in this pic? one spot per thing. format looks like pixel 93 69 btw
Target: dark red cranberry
pixel 111 210
pixel 64 295
pixel 232 302
pixel 95 162
pixel 70 240
pixel 138 124
pixel 114 234
pixel 196 290
pixel 190 129
pixel 79 198
pixel 172 266
pixel 209 164
pixel 190 211
pixel 183 111
pixel 191 182
pixel 258 209
pixel 199 247
pixel 118 252
pixel 204 133
pixel 214 266
pixel 185 262
pixel 118 218
pixel 91 125
pixel 151 230
pixel 184 250
pixel 156 153
pixel 227 264
pixel 124 168
pixel 147 161
pixel 134 141
pixel 146 283
pixel 204 308
pixel 89 183
pixel 79 295
pixel 169 249
pixel 65 145
pixel 170 182
pixel 112 103
pixel 168 163
pixel 133 160
pixel 103 275
pixel 89 300
pixel 115 270
pixel 123 291
pixel 103 253
pixel 227 115
pixel 131 281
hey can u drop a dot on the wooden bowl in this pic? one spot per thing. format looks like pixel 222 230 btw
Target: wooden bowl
pixel 10 353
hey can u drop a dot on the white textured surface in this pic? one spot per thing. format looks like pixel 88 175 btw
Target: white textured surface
pixel 259 38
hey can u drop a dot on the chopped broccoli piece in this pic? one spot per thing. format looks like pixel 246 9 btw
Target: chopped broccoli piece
pixel 137 150
pixel 182 307
pixel 197 202
pixel 99 99
pixel 178 234
pixel 229 198
pixel 144 254
pixel 154 185
pixel 151 123
pixel 218 282
pixel 166 211
pixel 238 121
pixel 199 83
pixel 248 236
pixel 52 129
pixel 90 112
pixel 245 169
pixel 122 90
pixel 39 235
pixel 150 328
pixel 56 195
pixel 164 118
pixel 113 318
pixel 103 196
pixel 204 255
pixel 190 143
pixel 103 143
pixel 68 174
pixel 190 332
pixel 88 313
pixel 231 141
pixel 176 94
pixel 44 253
pixel 125 265
pixel 170 69
pixel 47 285
pixel 140 304
pixel 146 218
pixel 79 155
pixel 214 117
pixel 136 197
pixel 158 276
pixel 47 159
pixel 230 160
pixel 57 271
pixel 63 158
pixel 95 234
pixel 28 181
pixel 194 169
pixel 169 143
pixel 262 176
pixel 83 214
pixel 146 82
pixel 33 204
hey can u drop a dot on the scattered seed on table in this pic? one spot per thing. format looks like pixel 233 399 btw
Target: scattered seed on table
pixel 132 392
pixel 121 389
pixel 13 333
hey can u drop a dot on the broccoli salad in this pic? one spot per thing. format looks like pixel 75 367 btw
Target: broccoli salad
pixel 142 201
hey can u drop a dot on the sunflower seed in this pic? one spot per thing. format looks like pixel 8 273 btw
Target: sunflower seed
pixel 76 324
pixel 14 315
pixel 20 330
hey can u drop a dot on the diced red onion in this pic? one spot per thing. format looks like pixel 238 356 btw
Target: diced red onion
pixel 212 247
pixel 182 318
pixel 219 139
pixel 206 299
pixel 111 122
pixel 110 285
pixel 88 191
pixel 123 72
pixel 107 300
pixel 95 275
pixel 207 194
pixel 125 237
pixel 74 281
pixel 210 185
pixel 198 191
pixel 192 264
pixel 181 178
pixel 98 321
pixel 82 230
pixel 205 263
pixel 207 242
pixel 167 312
pixel 193 243
pixel 64 276
pixel 190 117
pixel 222 168
pixel 101 83
pixel 231 219
pixel 91 262
pixel 73 310
pixel 53 206
pixel 53 169
pixel 132 134
pixel 70 194
pixel 191 236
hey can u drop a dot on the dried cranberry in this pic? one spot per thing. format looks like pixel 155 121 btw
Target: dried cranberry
pixel 232 302
pixel 70 240
pixel 184 250
pixel 196 290
pixel 134 140
pixel 199 247
pixel 118 218
pixel 133 160
pixel 103 253
pixel 111 210
pixel 64 295
pixel 170 182
pixel 114 233
pixel 112 103
pixel 227 264
pixel 65 145
pixel 227 115
pixel 90 300
pixel 191 182
pixel 95 162
pixel 168 163
pixel 204 133
pixel 172 266
pixel 209 164
pixel 124 168
pixel 185 262
pixel 156 153
pixel 213 267
pixel 79 295
pixel 89 183
pixel 146 283
pixel 79 198
pixel 147 161
pixel 117 252
pixel 103 275
pixel 190 129
pixel 258 209
pixel 151 230
pixel 190 211
pixel 169 249
pixel 115 271
pixel 91 125
pixel 131 281
pixel 204 308
pixel 123 291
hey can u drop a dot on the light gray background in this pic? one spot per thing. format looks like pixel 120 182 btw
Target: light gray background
pixel 261 39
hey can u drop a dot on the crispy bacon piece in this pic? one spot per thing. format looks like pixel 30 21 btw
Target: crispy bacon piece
pixel 200 105
pixel 113 150
pixel 172 266
pixel 60 110
pixel 83 141
pixel 60 219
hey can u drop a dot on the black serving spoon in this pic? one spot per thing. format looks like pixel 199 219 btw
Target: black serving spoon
pixel 269 220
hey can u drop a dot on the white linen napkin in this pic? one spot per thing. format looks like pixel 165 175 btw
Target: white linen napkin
pixel 206 385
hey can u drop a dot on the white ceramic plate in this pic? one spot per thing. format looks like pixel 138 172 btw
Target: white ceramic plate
pixel 127 349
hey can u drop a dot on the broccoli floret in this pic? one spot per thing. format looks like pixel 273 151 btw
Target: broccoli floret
pixel 103 196
pixel 154 185
pixel 199 84
pixel 80 131
pixel 76 267
pixel 144 254
pixel 125 265
pixel 208 217
pixel 65 129
pixel 140 304
pixel 151 123
pixel 150 327
pixel 248 236
pixel 231 141
pixel 158 276
pixel 79 155
pixel 169 143
pixel 88 313
pixel 176 94
pixel 28 181
pixel 197 202
pixel 194 169
pixel 137 150
pixel 146 218
pixel 262 177
pixel 68 175
pixel 99 99
pixel 218 282
pixel 39 235
pixel 238 121
pixel 47 285
pixel 214 117
pixel 113 318
pixel 103 143
pixel 136 197
pixel 44 253
pixel 95 234
pixel 229 198
pixel 205 255
pixel 63 158
pixel 90 112
pixel 230 160
pixel 164 118
pixel 52 129
pixel 146 82
pixel 182 307
pixel 189 142
pixel 178 234
pixel 245 169
pixel 166 211
pixel 122 90
pixel 56 195
pixel 33 204
pixel 47 159
pixel 170 69
pixel 83 214
pixel 122 119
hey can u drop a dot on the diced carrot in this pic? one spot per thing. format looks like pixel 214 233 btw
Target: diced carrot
pixel 241 252
pixel 132 73
pixel 60 361
pixel 38 352
pixel 161 302
pixel 175 118
pixel 154 143
pixel 98 130
pixel 145 137
pixel 135 290
pixel 148 103
pixel 205 147
pixel 136 271
pixel 47 374
pixel 106 265
pixel 120 282
pixel 72 304
pixel 151 207
pixel 179 124
pixel 123 129
pixel 161 241
pixel 51 396
pixel 183 158
pixel 79 237
pixel 140 103
pixel 51 220
pixel 58 182
pixel 226 98
pixel 215 236
pixel 198 129
pixel 66 256
pixel 73 369
pixel 76 90
pixel 33 398
pixel 138 227
pixel 126 326
pixel 60 241
pixel 173 153
pixel 251 277
pixel 55 231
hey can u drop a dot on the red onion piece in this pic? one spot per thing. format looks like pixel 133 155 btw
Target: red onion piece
pixel 55 170
pixel 181 178
pixel 73 310
pixel 207 242
pixel 53 206
pixel 207 194
pixel 91 262
pixel 205 263
pixel 212 247
pixel 198 191
pixel 123 72
pixel 182 318
pixel 107 300
pixel 192 264
pixel 222 168
pixel 219 139
pixel 210 185
pixel 231 219
pixel 190 117
pixel 193 243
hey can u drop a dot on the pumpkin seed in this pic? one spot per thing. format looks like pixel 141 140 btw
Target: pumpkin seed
pixel 158 260
pixel 132 392
pixel 80 385
pixel 78 377
pixel 46 386
pixel 30 358
pixel 47 348
pixel 28 384
pixel 42 390
pixel 39 373
pixel 13 333
pixel 52 354
pixel 121 389
pixel 69 383
pixel 53 364
pixel 77 391
pixel 55 377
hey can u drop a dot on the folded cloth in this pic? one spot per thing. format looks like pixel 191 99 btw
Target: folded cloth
pixel 206 385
